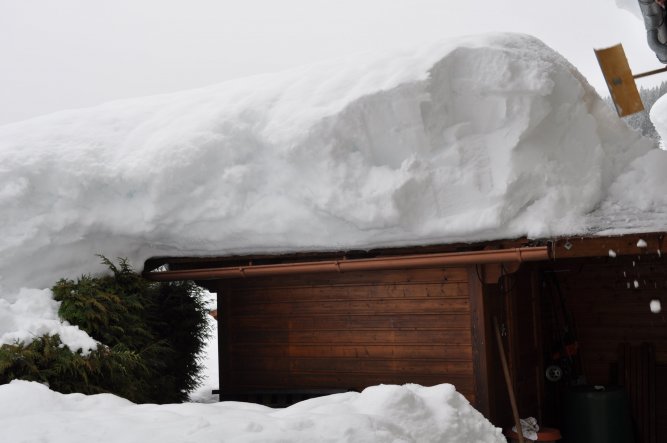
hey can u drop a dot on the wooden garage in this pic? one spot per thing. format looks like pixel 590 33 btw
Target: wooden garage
pixel 300 325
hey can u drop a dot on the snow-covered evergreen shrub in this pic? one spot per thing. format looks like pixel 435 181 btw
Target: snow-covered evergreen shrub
pixel 151 335
pixel 46 360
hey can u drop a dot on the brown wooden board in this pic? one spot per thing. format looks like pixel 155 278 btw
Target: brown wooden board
pixel 397 351
pixel 349 330
pixel 621 245
pixel 660 404
pixel 637 375
pixel 364 306
pixel 328 322
pixel 361 365
pixel 480 336
pixel 357 278
pixel 337 292
pixel 346 337
pixel 619 79
pixel 306 380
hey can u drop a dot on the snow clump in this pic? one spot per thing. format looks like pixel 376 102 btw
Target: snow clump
pixel 30 313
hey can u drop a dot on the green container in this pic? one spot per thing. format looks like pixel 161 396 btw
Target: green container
pixel 594 415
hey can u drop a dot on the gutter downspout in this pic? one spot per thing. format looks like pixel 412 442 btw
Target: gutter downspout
pixel 656 29
pixel 514 255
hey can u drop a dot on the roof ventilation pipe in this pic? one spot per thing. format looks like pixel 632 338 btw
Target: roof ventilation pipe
pixel 656 29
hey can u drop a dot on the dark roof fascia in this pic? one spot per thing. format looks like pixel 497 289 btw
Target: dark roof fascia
pixel 561 248
pixel 203 262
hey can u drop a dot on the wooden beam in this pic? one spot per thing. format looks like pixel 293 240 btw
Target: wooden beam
pixel 628 244
pixel 619 79
pixel 480 342
pixel 224 345
pixel 492 272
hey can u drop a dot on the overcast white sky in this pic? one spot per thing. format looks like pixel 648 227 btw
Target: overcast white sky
pixel 73 53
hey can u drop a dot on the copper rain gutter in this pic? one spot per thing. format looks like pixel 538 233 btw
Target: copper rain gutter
pixel 513 255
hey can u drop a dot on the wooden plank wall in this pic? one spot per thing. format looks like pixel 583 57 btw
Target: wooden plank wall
pixel 637 374
pixel 609 300
pixel 609 308
pixel 660 395
pixel 347 331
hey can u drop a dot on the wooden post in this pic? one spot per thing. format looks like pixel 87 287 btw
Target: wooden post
pixel 508 380
pixel 480 342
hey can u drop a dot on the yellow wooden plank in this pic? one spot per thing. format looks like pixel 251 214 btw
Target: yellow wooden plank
pixel 619 79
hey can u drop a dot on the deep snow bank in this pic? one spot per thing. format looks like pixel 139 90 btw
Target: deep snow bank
pixel 409 413
pixel 480 138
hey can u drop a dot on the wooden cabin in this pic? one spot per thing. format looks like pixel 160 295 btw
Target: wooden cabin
pixel 300 325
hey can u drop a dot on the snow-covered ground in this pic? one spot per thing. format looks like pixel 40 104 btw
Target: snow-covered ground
pixel 30 412
pixel 486 137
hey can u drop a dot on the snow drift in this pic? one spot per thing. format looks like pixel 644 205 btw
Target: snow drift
pixel 408 413
pixel 481 138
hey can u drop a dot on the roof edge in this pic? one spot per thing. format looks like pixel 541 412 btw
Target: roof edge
pixel 511 255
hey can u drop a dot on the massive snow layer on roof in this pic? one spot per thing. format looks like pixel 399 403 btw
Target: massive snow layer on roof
pixel 486 137
pixel 409 413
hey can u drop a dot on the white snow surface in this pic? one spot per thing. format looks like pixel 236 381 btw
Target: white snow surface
pixel 32 313
pixel 659 118
pixel 485 137
pixel 30 412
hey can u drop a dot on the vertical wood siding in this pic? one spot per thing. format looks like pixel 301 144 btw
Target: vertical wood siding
pixel 348 331
pixel 609 300
pixel 609 308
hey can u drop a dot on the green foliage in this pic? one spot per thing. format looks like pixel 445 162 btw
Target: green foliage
pixel 182 322
pixel 47 360
pixel 152 335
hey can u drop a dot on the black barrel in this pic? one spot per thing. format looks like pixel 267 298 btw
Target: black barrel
pixel 594 414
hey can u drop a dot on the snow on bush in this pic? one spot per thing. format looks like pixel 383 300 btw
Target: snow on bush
pixel 31 313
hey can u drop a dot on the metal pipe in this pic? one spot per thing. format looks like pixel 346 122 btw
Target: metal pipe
pixel 647 73
pixel 513 255
pixel 656 29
